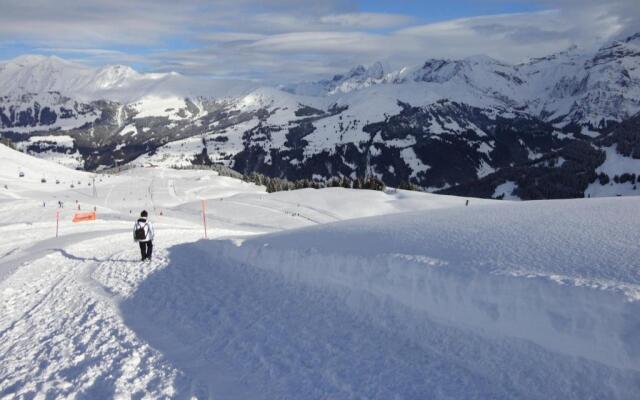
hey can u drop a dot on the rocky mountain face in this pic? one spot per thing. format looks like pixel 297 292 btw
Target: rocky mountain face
pixel 561 126
pixel 435 146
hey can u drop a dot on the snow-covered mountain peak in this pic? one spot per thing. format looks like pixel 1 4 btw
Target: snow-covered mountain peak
pixel 114 76
pixel 354 72
pixel 476 71
pixel 118 69
pixel 29 60
pixel 38 66
pixel 356 78
pixel 40 74
pixel 375 71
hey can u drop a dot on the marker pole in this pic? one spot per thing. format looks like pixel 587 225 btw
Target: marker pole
pixel 204 219
pixel 57 221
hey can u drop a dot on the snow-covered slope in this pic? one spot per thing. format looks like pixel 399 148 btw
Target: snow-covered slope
pixel 15 163
pixel 553 285
pixel 350 294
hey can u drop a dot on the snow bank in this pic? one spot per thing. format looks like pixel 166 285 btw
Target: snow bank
pixel 561 275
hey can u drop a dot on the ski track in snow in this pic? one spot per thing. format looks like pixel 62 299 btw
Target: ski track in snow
pixel 274 210
pixel 62 334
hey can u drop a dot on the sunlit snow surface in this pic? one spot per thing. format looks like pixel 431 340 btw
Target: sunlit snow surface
pixel 311 294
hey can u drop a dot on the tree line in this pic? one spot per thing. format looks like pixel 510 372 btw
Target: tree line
pixel 279 184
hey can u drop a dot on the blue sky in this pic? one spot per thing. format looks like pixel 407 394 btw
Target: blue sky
pixel 284 40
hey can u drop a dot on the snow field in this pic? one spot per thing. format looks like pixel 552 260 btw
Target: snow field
pixel 311 294
pixel 568 290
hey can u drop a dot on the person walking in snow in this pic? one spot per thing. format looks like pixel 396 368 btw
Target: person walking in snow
pixel 143 234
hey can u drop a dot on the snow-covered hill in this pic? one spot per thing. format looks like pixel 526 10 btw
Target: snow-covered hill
pixel 314 294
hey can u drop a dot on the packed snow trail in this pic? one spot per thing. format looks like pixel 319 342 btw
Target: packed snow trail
pixel 17 257
pixel 62 334
pixel 61 329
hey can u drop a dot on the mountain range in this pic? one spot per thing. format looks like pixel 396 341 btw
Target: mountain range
pixel 566 125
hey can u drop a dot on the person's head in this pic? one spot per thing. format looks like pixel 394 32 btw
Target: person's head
pixel 144 214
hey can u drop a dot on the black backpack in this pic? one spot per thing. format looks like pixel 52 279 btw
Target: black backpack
pixel 140 234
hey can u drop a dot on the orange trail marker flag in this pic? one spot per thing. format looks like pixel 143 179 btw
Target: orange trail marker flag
pixel 84 217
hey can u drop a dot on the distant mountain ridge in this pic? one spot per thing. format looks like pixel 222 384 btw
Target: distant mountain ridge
pixel 559 88
pixel 443 125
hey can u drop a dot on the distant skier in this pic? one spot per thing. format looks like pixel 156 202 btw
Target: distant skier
pixel 143 234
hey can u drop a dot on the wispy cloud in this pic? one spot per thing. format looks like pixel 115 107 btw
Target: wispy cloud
pixel 366 20
pixel 281 40
pixel 225 37
pixel 89 52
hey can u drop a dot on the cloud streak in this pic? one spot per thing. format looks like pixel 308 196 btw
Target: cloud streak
pixel 284 40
